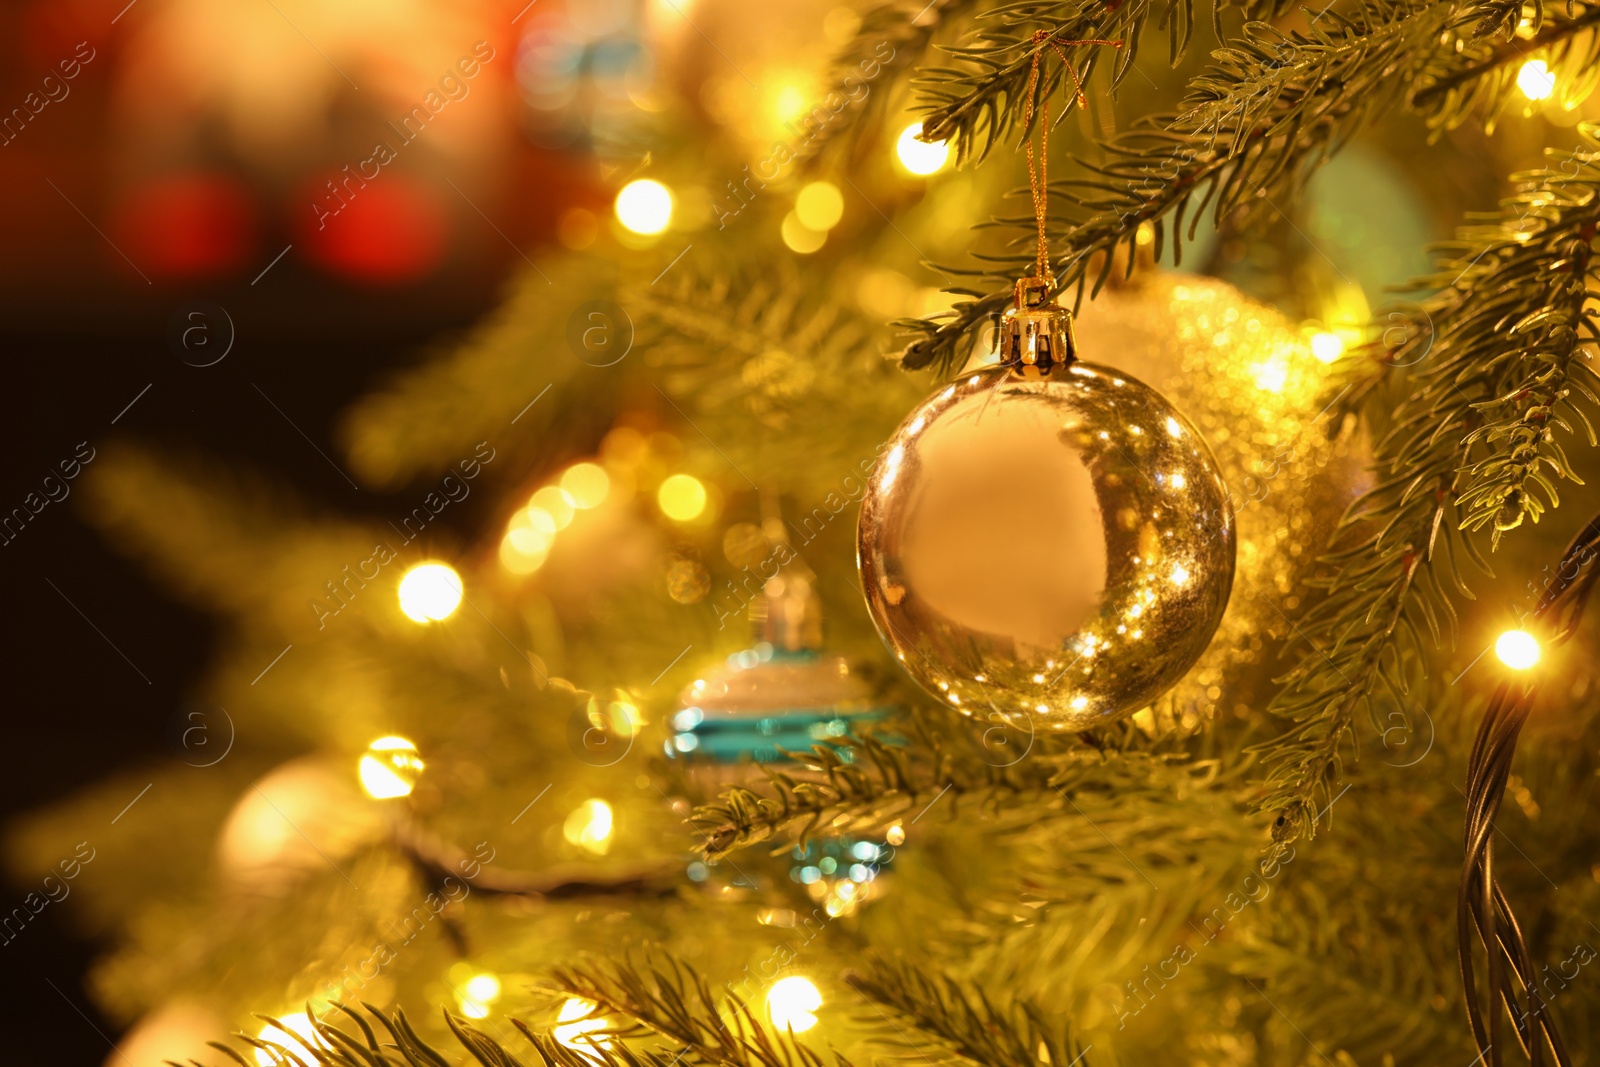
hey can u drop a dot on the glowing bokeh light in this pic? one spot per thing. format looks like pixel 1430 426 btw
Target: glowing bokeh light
pixel 644 206
pixel 1517 649
pixel 554 502
pixel 1270 376
pixel 682 498
pixel 1326 346
pixel 477 994
pixel 1536 80
pixel 586 484
pixel 589 826
pixel 788 103
pixel 297 1035
pixel 819 206
pixel 792 1003
pixel 390 768
pixel 919 157
pixel 800 237
pixel 430 592
pixel 575 1029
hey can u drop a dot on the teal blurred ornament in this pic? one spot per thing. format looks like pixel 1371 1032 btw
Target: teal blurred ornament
pixel 783 694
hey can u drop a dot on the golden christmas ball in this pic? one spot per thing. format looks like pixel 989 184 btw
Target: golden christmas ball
pixel 1266 405
pixel 1047 545
pixel 304 817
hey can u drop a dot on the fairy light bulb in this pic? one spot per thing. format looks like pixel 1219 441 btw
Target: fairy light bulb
pixel 578 1030
pixel 589 826
pixel 920 157
pixel 1326 346
pixel 644 206
pixel 477 994
pixel 390 768
pixel 1517 649
pixel 799 237
pixel 586 485
pixel 1536 80
pixel 792 1003
pixel 430 592
pixel 297 1035
pixel 682 497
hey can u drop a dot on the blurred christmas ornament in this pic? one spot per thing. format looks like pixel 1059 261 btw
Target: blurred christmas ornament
pixel 585 72
pixel 174 1032
pixel 784 694
pixel 1259 395
pixel 294 822
pixel 187 225
pixel 1047 540
pixel 1048 543
pixel 581 536
pixel 389 233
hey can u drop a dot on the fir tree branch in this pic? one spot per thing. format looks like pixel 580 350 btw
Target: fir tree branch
pixel 1541 352
pixel 668 998
pixel 961 1018
pixel 878 784
pixel 777 369
pixel 358 1044
pixel 1434 90
pixel 909 28
pixel 982 101
pixel 1500 354
pixel 1270 107
pixel 873 788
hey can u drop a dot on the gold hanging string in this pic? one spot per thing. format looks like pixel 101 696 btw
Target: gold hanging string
pixel 1037 181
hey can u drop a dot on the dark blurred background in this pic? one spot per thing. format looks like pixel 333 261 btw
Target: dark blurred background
pixel 178 269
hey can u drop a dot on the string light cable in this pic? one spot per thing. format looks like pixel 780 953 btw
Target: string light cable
pixel 1483 912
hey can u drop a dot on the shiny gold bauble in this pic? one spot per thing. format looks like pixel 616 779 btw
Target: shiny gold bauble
pixel 1246 377
pixel 1053 549
pixel 305 817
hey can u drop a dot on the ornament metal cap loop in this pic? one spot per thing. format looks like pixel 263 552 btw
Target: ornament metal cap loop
pixel 1036 332
pixel 788 612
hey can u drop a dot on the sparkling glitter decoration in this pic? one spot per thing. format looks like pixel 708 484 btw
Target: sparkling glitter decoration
pixel 1249 382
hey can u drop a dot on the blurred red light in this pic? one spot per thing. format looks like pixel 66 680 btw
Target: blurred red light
pixel 390 230
pixel 187 225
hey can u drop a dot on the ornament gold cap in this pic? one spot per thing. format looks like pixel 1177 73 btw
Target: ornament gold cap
pixel 788 613
pixel 1036 331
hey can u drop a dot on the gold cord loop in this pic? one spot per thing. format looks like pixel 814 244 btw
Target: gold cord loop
pixel 1038 182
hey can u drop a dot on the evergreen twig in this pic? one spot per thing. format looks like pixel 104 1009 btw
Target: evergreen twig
pixel 875 786
pixel 1500 364
pixel 1270 107
pixel 983 99
pixel 668 998
pixel 962 1018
